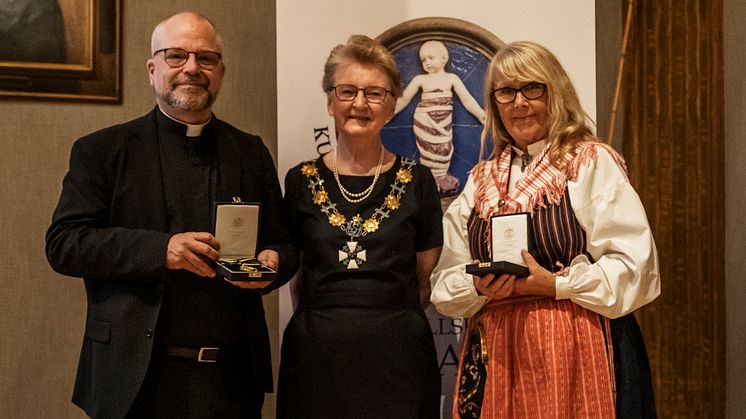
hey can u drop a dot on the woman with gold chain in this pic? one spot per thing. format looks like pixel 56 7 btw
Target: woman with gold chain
pixel 368 225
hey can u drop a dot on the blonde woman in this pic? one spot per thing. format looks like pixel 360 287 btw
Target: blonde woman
pixel 561 342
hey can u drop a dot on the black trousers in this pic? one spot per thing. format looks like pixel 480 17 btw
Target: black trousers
pixel 182 388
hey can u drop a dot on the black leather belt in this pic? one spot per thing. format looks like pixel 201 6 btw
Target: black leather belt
pixel 203 354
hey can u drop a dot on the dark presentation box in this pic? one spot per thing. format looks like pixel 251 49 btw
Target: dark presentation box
pixel 237 228
pixel 510 233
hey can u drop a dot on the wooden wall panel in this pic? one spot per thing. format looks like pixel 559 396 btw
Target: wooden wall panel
pixel 674 139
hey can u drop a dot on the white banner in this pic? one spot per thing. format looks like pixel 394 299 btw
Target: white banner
pixel 307 30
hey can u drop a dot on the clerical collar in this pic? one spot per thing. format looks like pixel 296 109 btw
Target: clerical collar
pixel 192 130
pixel 532 150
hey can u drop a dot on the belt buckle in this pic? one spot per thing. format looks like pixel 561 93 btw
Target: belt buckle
pixel 208 355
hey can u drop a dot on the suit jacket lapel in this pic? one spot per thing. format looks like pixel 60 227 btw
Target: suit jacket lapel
pixel 147 173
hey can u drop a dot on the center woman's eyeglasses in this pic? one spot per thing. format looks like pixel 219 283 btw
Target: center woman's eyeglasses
pixel 530 91
pixel 178 57
pixel 372 94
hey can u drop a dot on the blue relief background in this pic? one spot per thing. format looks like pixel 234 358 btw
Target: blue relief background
pixel 397 136
pixel 471 67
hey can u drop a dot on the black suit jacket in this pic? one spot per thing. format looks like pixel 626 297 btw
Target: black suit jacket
pixel 111 228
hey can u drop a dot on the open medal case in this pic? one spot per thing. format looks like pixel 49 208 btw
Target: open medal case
pixel 509 233
pixel 237 229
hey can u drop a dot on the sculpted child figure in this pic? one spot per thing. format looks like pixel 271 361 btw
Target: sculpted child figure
pixel 433 116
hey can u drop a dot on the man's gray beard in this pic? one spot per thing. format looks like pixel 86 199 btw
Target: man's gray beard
pixel 188 102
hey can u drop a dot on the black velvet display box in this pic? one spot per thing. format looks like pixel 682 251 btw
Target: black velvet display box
pixel 236 228
pixel 510 233
pixel 497 268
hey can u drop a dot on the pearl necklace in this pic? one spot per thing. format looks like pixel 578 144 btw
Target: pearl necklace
pixel 353 197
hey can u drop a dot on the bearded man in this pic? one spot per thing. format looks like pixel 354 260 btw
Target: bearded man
pixel 164 336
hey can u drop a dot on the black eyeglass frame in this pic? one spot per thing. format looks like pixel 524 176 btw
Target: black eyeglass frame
pixel 365 94
pixel 196 56
pixel 520 89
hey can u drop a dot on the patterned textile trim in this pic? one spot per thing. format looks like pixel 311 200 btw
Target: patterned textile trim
pixel 473 373
pixel 587 152
pixel 543 180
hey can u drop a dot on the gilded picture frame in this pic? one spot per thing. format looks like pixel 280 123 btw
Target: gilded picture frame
pixel 61 50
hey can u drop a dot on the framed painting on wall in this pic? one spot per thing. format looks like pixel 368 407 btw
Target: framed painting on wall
pixel 61 49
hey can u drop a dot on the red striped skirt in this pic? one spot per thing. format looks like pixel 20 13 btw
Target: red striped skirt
pixel 546 358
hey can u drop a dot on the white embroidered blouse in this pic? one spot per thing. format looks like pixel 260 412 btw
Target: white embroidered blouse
pixel 624 276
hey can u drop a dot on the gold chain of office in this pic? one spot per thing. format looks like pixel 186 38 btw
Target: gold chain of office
pixel 356 227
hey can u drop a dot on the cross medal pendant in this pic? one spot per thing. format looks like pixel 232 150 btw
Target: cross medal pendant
pixel 352 254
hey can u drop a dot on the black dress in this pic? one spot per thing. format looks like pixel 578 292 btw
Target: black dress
pixel 359 345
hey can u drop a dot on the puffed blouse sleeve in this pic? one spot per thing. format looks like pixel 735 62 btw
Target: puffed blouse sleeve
pixel 623 275
pixel 453 292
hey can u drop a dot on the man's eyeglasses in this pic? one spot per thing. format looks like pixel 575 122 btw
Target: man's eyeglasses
pixel 177 57
pixel 533 90
pixel 372 94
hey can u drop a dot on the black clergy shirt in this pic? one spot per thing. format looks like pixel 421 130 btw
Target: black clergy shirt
pixel 196 311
